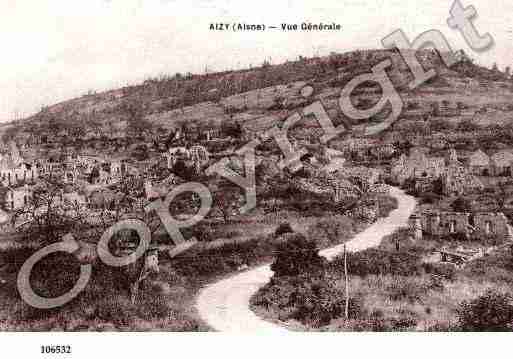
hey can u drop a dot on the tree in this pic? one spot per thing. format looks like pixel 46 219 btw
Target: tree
pixel 46 217
pixel 226 199
pixel 183 171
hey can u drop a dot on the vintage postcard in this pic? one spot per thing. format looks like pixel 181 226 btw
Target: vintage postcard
pixel 256 167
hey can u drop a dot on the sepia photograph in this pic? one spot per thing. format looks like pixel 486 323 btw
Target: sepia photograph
pixel 336 167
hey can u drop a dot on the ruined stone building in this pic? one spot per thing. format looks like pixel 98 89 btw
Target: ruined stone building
pixel 479 163
pixel 501 163
pixel 444 223
pixel 416 166
pixel 331 187
pixel 14 169
pixel 17 198
pixel 455 178
pixel 342 189
pixel 199 155
pixel 457 181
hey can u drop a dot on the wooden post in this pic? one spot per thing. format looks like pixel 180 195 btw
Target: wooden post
pixel 347 283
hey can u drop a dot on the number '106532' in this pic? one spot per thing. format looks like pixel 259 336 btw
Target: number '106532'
pixel 55 349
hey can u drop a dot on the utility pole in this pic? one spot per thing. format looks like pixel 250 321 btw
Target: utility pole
pixel 347 283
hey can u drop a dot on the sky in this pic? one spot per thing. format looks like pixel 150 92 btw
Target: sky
pixel 55 50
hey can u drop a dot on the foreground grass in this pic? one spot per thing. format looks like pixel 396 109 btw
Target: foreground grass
pixel 103 306
pixel 395 289
pixel 166 302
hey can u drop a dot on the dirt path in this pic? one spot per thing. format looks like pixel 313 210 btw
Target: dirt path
pixel 224 305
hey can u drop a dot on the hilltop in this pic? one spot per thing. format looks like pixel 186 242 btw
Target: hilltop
pixel 259 97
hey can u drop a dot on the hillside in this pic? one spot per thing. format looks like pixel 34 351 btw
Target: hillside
pixel 261 96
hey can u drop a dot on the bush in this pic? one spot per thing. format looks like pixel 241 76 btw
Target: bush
pixel 296 256
pixel 380 262
pixel 334 230
pixel 429 198
pixel 444 270
pixel 491 312
pixel 221 260
pixel 313 300
pixel 283 228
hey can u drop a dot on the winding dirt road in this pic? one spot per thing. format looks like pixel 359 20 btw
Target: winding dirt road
pixel 224 305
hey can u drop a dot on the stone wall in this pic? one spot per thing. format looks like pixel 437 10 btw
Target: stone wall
pixel 457 180
pixel 482 223
pixel 496 223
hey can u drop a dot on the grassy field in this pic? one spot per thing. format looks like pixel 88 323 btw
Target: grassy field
pixel 395 289
pixel 166 302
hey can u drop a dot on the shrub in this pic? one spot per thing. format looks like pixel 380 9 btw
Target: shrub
pixel 295 256
pixel 454 237
pixel 380 262
pixel 496 267
pixel 283 228
pixel 220 260
pixel 313 300
pixel 332 231
pixel 429 198
pixel 444 270
pixel 490 312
